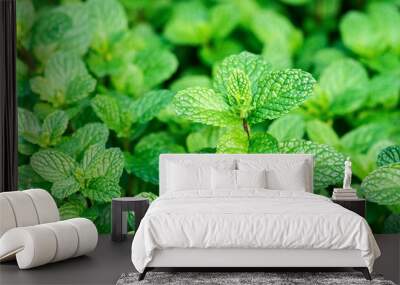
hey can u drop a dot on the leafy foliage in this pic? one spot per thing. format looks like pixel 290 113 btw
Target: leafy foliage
pixel 105 86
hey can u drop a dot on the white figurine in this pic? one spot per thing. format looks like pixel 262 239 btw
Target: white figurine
pixel 347 174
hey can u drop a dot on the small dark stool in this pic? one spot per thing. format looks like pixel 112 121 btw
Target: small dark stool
pixel 120 208
pixel 355 205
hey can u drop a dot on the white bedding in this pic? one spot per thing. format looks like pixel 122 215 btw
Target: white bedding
pixel 252 218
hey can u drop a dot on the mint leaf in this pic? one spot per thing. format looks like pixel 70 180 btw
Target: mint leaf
pixel 54 125
pixel 81 139
pixel 389 155
pixel 108 163
pixel 103 221
pixel 147 195
pixel 344 81
pixel 253 66
pixel 53 165
pixel 287 127
pixel 361 35
pixel 263 143
pixel 392 224
pixel 63 71
pixel 150 104
pixel 382 185
pixel 206 137
pixel 191 81
pixel 156 65
pixel 321 132
pixel 102 190
pixel 233 141
pixel 25 15
pixel 63 188
pixel 203 105
pixel 239 94
pixel 28 178
pixel 107 18
pixel 282 91
pixel 28 126
pixel 223 19
pixel 144 162
pixel 383 89
pixel 107 109
pixel 328 163
pixel 71 209
pixel 188 24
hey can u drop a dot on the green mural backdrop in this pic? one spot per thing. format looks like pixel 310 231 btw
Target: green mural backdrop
pixel 105 86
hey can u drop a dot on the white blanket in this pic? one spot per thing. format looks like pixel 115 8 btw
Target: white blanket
pixel 252 218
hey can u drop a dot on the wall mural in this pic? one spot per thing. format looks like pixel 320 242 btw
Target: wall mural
pixel 105 86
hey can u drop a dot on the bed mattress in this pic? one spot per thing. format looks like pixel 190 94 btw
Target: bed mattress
pixel 250 219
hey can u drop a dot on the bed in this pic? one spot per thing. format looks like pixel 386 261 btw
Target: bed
pixel 229 218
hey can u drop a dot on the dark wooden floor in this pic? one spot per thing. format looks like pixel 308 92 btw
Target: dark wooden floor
pixel 110 260
pixel 103 266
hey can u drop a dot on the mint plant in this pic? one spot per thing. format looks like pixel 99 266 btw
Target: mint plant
pixel 111 73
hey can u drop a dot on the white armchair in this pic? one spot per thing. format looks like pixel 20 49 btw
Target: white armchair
pixel 32 233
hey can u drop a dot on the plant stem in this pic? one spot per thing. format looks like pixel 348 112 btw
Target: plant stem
pixel 246 128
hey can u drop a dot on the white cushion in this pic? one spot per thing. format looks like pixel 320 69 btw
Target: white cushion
pixel 40 244
pixel 223 179
pixel 188 177
pixel 281 175
pixel 251 178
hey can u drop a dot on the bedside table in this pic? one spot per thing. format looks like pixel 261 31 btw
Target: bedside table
pixel 119 213
pixel 356 205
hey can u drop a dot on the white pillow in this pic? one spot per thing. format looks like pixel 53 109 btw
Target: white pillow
pixel 251 178
pixel 188 177
pixel 281 175
pixel 223 179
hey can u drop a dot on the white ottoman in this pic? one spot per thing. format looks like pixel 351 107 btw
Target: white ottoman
pixel 31 232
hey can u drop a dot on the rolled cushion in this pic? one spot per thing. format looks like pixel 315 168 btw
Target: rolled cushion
pixel 26 208
pixel 37 245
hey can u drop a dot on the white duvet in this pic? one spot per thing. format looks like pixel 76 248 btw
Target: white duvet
pixel 253 218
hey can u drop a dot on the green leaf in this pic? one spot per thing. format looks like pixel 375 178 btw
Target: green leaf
pixel 287 127
pixel 28 178
pixel 253 66
pixel 382 186
pixel 207 137
pixel 328 163
pixel 54 125
pixel 361 35
pixel 65 80
pixel 144 162
pixel 383 89
pixel 263 143
pixel 389 155
pixel 127 79
pixel 63 188
pixel 345 83
pixel 392 224
pixel 71 209
pixel 238 92
pixel 148 106
pixel 191 81
pixel 102 190
pixel 362 138
pixel 25 16
pixel 91 213
pixel 218 50
pixel 107 18
pixel 203 105
pixel 107 109
pixel 51 27
pixel 188 24
pixel 28 126
pixel 321 132
pixel 84 137
pixel 103 222
pixel 157 65
pixel 147 195
pixel 282 91
pixel 233 141
pixel 99 162
pixel 223 19
pixel 53 165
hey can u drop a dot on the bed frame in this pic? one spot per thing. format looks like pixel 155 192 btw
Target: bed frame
pixel 249 259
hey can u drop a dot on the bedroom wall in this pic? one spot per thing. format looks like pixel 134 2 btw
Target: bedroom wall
pixel 106 83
